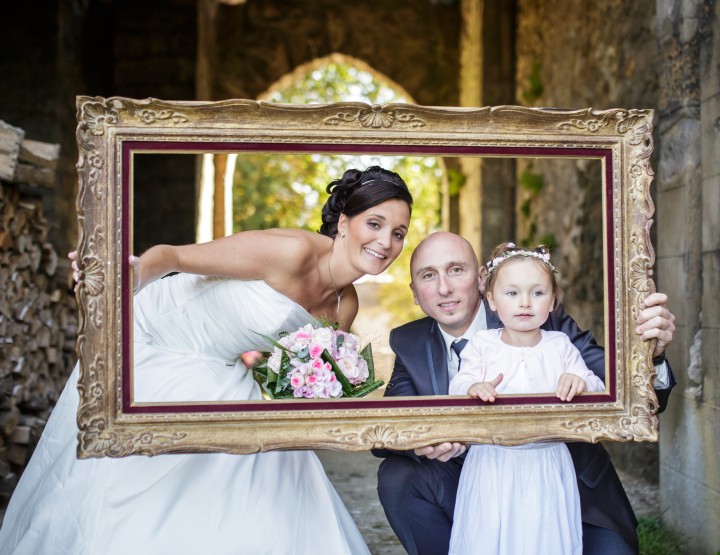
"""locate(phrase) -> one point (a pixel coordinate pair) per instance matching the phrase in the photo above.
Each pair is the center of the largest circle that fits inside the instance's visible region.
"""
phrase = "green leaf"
(366, 388)
(282, 379)
(366, 353)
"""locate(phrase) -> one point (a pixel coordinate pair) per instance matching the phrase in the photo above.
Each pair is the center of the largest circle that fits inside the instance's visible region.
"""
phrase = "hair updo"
(357, 191)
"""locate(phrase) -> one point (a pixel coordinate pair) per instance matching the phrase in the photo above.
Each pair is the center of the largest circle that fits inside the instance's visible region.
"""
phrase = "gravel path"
(355, 478)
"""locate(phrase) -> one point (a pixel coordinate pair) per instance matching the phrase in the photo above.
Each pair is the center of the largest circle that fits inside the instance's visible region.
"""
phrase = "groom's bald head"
(447, 280)
(442, 241)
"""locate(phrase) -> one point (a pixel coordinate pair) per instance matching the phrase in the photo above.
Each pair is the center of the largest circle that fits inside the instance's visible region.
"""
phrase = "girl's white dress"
(188, 334)
(523, 499)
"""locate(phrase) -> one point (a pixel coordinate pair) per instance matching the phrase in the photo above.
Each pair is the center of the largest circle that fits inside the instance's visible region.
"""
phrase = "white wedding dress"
(189, 332)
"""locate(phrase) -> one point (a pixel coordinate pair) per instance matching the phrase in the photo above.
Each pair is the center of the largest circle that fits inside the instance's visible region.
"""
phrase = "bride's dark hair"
(357, 191)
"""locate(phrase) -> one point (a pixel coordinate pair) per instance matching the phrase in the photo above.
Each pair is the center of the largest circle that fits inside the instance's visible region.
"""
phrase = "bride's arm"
(245, 255)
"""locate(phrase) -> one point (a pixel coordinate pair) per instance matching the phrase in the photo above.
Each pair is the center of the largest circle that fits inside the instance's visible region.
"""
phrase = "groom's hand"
(655, 321)
(442, 452)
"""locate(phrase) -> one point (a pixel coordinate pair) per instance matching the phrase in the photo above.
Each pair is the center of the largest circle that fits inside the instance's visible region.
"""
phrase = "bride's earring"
(342, 235)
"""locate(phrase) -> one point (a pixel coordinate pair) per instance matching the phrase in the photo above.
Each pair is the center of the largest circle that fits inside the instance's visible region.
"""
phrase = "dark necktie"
(457, 346)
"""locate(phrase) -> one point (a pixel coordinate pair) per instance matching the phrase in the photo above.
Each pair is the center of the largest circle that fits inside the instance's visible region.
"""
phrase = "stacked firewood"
(38, 313)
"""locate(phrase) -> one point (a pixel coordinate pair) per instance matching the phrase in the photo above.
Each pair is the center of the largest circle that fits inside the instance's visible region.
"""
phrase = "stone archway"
(244, 49)
(334, 58)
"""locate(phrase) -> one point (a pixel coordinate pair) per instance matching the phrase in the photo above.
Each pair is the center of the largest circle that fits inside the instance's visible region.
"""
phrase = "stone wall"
(689, 264)
(663, 55)
(603, 58)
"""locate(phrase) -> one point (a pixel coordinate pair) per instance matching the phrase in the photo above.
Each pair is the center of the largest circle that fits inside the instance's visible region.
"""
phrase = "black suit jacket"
(421, 369)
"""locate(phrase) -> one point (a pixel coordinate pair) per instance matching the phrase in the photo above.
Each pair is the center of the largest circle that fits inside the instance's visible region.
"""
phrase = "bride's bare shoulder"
(289, 239)
(293, 249)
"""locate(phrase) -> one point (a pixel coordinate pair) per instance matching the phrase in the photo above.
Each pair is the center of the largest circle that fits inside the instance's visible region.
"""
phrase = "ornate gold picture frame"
(110, 131)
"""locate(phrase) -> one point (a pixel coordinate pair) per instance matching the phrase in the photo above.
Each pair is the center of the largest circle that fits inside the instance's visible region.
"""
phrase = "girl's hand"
(570, 385)
(485, 390)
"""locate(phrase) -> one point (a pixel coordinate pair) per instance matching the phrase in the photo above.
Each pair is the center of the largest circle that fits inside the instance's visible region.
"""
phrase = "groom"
(417, 488)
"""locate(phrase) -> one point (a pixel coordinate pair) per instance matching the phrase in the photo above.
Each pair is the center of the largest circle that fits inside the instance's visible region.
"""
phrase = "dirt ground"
(355, 478)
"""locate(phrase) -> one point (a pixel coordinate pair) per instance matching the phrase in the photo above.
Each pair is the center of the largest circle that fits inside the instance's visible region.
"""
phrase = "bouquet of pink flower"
(316, 362)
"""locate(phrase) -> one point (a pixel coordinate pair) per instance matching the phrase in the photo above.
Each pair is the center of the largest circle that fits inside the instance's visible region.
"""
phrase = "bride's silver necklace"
(338, 295)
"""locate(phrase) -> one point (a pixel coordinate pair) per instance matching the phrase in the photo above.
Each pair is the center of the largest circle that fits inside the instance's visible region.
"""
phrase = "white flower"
(274, 360)
(354, 367)
(323, 336)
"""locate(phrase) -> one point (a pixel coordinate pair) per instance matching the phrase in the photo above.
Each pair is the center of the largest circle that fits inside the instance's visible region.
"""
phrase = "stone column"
(471, 89)
(487, 78)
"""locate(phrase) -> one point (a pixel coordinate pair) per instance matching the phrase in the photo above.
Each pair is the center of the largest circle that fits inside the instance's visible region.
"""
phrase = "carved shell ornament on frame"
(380, 435)
(376, 117)
(92, 276)
(100, 114)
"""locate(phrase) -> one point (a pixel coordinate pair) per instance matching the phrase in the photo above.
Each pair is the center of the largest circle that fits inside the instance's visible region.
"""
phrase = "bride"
(189, 331)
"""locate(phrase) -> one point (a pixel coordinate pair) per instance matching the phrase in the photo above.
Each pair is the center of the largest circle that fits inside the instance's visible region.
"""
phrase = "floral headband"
(542, 254)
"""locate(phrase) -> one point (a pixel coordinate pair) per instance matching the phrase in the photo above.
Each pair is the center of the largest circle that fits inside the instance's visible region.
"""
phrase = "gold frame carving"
(109, 128)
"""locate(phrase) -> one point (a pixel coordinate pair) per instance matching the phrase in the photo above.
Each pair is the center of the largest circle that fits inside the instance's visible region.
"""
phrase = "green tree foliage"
(337, 82)
(263, 197)
(271, 190)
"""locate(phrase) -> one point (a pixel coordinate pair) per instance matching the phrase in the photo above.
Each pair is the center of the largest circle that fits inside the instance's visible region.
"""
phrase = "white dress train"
(188, 334)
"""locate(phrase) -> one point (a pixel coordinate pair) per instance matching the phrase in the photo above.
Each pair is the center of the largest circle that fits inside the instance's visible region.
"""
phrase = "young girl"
(524, 499)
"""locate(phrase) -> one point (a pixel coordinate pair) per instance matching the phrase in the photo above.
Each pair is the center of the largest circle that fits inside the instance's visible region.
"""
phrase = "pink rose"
(311, 379)
(296, 381)
(316, 350)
